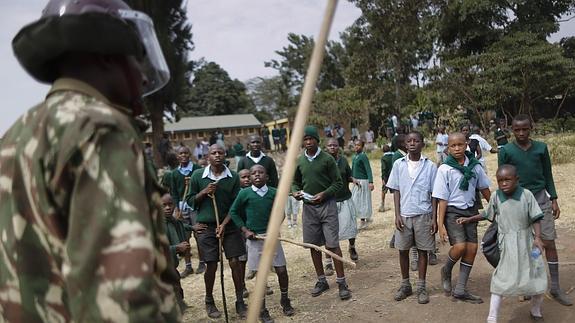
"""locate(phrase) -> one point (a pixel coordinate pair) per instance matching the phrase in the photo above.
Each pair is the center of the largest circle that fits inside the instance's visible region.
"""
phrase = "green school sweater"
(176, 231)
(226, 192)
(178, 184)
(254, 208)
(397, 155)
(268, 163)
(317, 176)
(386, 165)
(360, 167)
(239, 150)
(345, 172)
(533, 166)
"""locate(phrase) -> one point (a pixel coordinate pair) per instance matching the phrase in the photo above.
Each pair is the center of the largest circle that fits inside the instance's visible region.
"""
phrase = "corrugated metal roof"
(214, 122)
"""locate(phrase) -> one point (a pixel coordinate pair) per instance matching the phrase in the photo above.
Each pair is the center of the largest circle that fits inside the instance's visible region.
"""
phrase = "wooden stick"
(221, 251)
(277, 215)
(316, 247)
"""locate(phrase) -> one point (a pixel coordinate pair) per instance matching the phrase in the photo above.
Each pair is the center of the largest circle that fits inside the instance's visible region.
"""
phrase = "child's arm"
(471, 219)
(537, 242)
(550, 183)
(441, 209)
(486, 193)
(397, 203)
(433, 215)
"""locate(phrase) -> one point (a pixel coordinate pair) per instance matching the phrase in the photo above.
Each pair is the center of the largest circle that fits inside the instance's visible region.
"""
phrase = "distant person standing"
(369, 139)
(395, 122)
(239, 151)
(441, 145)
(502, 134)
(266, 138)
(340, 135)
(276, 138)
(361, 193)
(283, 137)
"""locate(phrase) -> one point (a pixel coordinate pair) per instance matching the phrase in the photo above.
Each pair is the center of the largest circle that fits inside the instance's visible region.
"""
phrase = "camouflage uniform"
(82, 235)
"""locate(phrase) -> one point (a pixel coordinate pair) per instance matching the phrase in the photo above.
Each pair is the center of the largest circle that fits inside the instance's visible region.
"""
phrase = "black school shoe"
(319, 288)
(403, 292)
(241, 309)
(446, 281)
(286, 307)
(212, 310)
(353, 254)
(344, 292)
(468, 298)
(265, 316)
(561, 298)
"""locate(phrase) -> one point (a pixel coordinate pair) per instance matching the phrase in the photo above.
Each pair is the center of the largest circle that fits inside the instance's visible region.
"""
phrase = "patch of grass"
(561, 147)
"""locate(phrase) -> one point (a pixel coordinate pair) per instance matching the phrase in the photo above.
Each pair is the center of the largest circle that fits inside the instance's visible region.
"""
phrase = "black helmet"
(107, 27)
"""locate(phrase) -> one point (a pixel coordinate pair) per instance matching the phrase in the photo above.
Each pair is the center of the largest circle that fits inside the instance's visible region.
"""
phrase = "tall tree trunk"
(157, 118)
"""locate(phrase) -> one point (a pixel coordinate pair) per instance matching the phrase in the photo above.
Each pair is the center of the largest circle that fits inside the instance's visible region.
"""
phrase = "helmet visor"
(154, 66)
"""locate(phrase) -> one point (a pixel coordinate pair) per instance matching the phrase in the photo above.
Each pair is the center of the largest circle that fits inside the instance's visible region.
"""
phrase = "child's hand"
(182, 247)
(537, 242)
(399, 225)
(249, 234)
(555, 209)
(199, 227)
(297, 195)
(318, 198)
(220, 231)
(462, 221)
(371, 187)
(443, 237)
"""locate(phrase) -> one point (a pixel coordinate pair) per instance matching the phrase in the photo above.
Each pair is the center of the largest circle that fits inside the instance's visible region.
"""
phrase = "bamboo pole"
(316, 247)
(277, 215)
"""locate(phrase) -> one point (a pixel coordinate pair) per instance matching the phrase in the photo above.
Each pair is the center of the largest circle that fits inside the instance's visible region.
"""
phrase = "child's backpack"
(489, 243)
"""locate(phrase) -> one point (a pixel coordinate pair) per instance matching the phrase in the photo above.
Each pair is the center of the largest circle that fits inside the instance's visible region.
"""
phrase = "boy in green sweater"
(251, 212)
(216, 181)
(533, 163)
(177, 234)
(179, 183)
(256, 156)
(361, 192)
(316, 181)
(386, 166)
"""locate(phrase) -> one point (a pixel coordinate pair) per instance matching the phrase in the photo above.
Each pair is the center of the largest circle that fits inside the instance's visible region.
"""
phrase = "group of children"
(427, 199)
(444, 199)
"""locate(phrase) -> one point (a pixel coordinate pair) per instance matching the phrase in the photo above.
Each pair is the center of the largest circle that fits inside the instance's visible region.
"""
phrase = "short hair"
(172, 159)
(330, 139)
(522, 117)
(183, 147)
(243, 170)
(417, 133)
(385, 148)
(506, 167)
(455, 134)
(361, 142)
(258, 166)
(397, 139)
(464, 126)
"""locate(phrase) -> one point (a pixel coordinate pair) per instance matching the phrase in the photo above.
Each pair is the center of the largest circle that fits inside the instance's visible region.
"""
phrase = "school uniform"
(440, 148)
(386, 166)
(517, 273)
(534, 170)
(252, 209)
(361, 194)
(460, 202)
(314, 174)
(228, 186)
(414, 181)
(177, 182)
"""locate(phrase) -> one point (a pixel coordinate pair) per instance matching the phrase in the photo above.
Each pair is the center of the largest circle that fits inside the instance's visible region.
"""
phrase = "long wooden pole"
(316, 247)
(277, 216)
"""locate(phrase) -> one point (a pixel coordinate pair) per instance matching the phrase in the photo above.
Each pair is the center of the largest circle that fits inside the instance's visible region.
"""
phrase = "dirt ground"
(376, 278)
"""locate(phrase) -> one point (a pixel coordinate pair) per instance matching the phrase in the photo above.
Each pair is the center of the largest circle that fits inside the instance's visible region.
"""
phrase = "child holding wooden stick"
(255, 205)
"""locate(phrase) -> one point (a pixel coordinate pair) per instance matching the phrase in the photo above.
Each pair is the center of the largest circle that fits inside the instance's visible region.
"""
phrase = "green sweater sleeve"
(367, 166)
(273, 174)
(336, 182)
(237, 206)
(548, 174)
(297, 184)
(502, 157)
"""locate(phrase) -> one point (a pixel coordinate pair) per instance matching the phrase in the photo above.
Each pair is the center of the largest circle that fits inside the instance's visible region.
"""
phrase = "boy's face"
(507, 181)
(258, 176)
(216, 155)
(167, 205)
(521, 130)
(332, 147)
(310, 143)
(465, 131)
(358, 146)
(245, 178)
(457, 145)
(184, 156)
(256, 144)
(413, 143)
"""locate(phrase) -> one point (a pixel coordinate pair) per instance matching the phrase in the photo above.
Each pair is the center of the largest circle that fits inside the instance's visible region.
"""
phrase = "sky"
(240, 35)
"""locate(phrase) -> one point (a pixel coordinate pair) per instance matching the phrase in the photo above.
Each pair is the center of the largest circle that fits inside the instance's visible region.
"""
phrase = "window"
(200, 134)
(239, 132)
(187, 135)
(226, 132)
(251, 131)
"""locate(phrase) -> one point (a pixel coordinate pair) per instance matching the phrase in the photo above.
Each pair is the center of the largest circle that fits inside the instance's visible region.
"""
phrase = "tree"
(213, 92)
(175, 36)
(271, 98)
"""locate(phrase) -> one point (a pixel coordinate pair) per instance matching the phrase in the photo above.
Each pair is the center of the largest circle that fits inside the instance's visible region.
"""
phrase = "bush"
(561, 148)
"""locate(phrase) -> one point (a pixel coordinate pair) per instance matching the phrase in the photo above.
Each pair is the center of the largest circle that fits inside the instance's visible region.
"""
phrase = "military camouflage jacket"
(82, 237)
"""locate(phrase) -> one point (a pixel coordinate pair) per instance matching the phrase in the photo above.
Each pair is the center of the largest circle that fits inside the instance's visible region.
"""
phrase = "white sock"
(328, 261)
(536, 302)
(494, 307)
